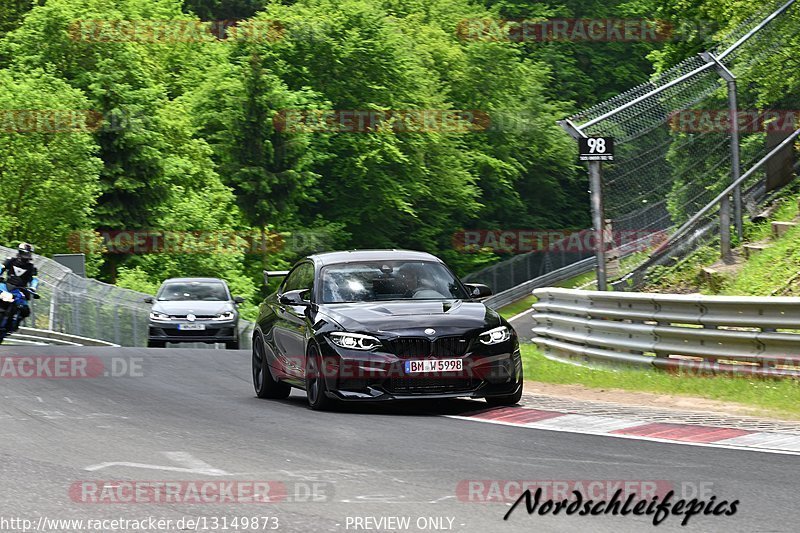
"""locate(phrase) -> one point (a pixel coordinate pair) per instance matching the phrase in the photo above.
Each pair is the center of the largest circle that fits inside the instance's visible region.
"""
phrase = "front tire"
(264, 384)
(507, 401)
(156, 344)
(232, 345)
(315, 382)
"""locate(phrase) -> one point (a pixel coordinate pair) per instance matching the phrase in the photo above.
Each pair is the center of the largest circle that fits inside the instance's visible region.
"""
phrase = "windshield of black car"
(211, 291)
(389, 280)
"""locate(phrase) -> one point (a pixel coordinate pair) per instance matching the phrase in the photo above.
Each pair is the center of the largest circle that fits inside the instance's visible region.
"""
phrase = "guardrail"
(694, 333)
(45, 336)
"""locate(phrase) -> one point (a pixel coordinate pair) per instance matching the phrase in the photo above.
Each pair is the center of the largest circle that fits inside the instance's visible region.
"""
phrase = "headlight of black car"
(354, 341)
(495, 336)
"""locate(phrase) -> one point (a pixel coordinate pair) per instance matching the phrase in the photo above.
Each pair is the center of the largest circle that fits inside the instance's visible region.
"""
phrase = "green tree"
(48, 165)
(223, 9)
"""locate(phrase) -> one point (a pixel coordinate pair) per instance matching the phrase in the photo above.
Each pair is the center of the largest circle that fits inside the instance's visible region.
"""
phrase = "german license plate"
(191, 327)
(434, 365)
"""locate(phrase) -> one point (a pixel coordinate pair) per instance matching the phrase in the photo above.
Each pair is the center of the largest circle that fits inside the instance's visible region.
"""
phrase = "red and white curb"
(691, 434)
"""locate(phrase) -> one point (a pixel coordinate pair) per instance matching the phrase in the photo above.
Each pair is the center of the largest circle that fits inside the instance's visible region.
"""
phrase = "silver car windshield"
(194, 290)
(388, 280)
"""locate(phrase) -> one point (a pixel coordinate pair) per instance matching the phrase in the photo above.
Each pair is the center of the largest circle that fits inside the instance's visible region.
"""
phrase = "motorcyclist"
(21, 281)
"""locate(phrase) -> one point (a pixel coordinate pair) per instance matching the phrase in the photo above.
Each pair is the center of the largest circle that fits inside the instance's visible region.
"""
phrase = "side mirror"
(148, 300)
(238, 300)
(297, 297)
(478, 290)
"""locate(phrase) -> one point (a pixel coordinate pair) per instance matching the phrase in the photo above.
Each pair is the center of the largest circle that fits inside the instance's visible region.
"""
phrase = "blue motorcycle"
(12, 300)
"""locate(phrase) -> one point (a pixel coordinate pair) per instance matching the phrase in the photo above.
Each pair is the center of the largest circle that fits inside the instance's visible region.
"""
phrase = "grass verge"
(517, 307)
(774, 398)
(774, 269)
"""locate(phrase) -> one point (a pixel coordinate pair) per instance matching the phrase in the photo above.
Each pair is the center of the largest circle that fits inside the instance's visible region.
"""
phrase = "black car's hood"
(197, 307)
(445, 316)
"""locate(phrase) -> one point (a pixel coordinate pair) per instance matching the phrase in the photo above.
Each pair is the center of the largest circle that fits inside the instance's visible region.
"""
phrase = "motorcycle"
(12, 298)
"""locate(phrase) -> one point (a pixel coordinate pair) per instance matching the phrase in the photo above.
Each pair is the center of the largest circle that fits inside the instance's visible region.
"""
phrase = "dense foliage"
(190, 138)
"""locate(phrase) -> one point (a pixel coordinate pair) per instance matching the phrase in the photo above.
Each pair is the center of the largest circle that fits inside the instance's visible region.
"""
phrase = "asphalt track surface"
(523, 324)
(189, 414)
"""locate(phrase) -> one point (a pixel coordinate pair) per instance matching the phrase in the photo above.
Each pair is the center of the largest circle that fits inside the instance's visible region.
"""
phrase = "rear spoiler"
(274, 274)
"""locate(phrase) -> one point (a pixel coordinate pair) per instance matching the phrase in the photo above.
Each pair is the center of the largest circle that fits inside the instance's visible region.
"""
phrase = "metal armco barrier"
(44, 336)
(735, 335)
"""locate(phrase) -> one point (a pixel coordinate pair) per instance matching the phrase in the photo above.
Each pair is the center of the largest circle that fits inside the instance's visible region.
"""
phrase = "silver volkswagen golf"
(194, 310)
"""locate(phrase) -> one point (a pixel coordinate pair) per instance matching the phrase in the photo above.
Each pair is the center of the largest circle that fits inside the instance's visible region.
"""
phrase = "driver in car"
(416, 284)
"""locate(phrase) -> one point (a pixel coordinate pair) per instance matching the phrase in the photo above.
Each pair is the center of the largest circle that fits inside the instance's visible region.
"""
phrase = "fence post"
(736, 168)
(733, 118)
(52, 313)
(596, 191)
(598, 221)
(612, 256)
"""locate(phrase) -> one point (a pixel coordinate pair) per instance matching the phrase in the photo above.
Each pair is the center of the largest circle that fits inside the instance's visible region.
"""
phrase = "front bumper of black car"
(487, 371)
(215, 331)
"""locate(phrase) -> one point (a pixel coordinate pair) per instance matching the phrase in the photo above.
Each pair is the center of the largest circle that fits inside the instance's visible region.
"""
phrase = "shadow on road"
(396, 408)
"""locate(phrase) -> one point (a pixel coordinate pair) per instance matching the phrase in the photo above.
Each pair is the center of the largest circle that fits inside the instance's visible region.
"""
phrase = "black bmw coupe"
(377, 325)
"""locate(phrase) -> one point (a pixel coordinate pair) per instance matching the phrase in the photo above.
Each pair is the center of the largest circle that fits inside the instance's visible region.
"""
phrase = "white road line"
(191, 464)
(101, 466)
(520, 315)
(189, 461)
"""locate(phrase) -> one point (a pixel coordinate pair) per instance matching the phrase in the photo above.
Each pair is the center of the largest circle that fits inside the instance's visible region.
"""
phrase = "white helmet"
(25, 250)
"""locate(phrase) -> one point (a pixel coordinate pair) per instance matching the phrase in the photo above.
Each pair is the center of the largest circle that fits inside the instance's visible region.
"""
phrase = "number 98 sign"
(596, 149)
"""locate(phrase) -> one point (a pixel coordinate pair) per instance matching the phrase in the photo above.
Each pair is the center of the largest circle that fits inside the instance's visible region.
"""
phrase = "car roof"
(189, 280)
(330, 258)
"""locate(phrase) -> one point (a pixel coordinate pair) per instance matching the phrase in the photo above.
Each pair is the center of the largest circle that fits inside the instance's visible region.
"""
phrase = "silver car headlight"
(354, 341)
(227, 315)
(155, 315)
(495, 336)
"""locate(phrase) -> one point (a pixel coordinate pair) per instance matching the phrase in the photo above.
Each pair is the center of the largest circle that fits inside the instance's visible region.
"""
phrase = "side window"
(301, 277)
